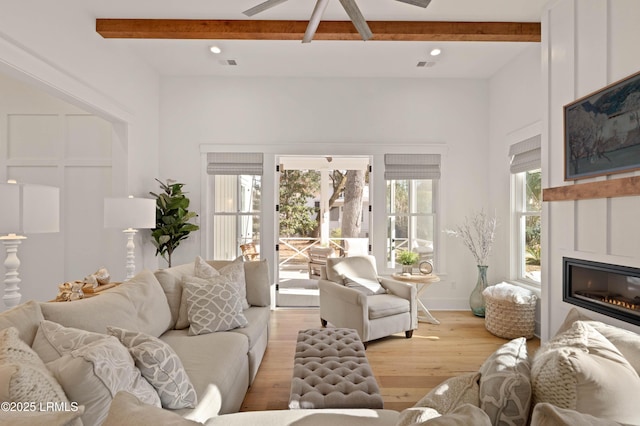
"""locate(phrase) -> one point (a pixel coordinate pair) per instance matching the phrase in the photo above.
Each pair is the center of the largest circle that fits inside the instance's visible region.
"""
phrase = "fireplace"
(611, 290)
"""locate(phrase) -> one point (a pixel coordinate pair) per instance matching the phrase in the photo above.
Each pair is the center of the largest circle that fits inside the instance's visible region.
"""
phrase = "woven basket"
(510, 320)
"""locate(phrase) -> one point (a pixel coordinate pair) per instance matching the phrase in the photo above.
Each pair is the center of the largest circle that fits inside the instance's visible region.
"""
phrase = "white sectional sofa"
(220, 365)
(586, 375)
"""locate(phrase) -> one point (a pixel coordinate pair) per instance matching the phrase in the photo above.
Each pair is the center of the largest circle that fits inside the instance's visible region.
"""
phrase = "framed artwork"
(602, 131)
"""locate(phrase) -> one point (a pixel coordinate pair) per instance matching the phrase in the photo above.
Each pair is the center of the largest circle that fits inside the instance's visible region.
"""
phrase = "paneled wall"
(587, 45)
(47, 141)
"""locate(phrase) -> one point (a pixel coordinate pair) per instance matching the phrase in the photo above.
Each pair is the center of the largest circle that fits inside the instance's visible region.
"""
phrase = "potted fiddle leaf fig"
(172, 219)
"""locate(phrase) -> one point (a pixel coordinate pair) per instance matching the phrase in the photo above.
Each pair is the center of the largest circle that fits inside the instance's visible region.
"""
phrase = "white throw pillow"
(91, 368)
(160, 365)
(213, 305)
(581, 370)
(364, 285)
(23, 375)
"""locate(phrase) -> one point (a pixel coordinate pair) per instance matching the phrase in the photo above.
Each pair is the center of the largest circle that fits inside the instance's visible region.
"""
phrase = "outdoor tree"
(352, 210)
(297, 187)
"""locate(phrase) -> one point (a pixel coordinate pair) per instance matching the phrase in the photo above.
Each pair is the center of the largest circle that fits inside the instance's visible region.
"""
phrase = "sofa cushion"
(213, 305)
(23, 375)
(257, 318)
(138, 304)
(217, 365)
(70, 417)
(444, 398)
(160, 366)
(256, 275)
(308, 417)
(25, 318)
(356, 266)
(581, 370)
(505, 384)
(464, 415)
(92, 375)
(384, 305)
(171, 281)
(126, 409)
(627, 342)
(545, 414)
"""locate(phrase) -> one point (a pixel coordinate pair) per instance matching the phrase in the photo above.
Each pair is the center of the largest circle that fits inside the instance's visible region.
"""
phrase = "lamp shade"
(135, 213)
(29, 209)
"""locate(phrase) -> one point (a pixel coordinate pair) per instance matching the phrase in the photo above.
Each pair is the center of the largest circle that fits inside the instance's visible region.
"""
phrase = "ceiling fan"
(350, 7)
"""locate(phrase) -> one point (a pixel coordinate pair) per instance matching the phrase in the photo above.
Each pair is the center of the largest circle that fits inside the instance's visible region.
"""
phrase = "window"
(412, 183)
(235, 182)
(527, 206)
(236, 214)
(411, 218)
(528, 201)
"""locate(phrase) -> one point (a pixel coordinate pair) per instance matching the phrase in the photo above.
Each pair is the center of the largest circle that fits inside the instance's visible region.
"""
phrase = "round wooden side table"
(421, 282)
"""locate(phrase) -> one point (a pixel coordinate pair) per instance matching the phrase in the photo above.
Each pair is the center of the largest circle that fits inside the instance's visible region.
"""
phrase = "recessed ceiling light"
(435, 52)
(215, 49)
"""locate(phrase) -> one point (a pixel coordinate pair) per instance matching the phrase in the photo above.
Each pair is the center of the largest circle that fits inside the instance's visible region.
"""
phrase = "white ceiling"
(323, 58)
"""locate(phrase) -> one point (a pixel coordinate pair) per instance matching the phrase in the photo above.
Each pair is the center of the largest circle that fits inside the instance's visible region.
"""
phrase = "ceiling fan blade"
(262, 7)
(316, 16)
(357, 18)
(421, 3)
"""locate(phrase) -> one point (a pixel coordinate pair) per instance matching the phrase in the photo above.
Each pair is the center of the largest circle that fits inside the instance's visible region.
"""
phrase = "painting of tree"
(602, 131)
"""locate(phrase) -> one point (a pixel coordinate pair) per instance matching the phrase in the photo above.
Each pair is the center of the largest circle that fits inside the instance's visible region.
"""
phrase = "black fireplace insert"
(612, 290)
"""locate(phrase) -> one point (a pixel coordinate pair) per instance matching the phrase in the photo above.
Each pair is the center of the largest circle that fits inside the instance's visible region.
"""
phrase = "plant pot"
(407, 269)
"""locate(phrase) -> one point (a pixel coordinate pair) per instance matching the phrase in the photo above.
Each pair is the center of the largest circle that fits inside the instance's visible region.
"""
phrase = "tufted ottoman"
(331, 371)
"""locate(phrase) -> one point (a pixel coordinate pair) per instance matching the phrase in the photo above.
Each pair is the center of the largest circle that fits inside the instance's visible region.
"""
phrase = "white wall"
(586, 46)
(53, 46)
(310, 114)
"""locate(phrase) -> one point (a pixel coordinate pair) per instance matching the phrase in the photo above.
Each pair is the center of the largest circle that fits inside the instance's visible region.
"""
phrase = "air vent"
(425, 64)
(231, 62)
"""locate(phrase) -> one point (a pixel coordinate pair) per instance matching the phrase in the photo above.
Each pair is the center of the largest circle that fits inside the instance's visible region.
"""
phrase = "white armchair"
(354, 296)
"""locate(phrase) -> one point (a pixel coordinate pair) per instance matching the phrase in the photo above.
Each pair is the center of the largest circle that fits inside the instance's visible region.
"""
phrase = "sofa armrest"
(341, 294)
(406, 291)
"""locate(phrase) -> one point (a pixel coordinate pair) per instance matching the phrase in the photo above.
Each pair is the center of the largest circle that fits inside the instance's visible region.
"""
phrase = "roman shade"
(234, 163)
(411, 166)
(525, 155)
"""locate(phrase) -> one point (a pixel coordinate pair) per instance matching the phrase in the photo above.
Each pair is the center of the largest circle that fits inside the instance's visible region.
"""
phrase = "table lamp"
(131, 214)
(26, 209)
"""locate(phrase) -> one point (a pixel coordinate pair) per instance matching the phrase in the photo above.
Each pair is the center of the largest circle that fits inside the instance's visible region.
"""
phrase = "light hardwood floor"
(406, 369)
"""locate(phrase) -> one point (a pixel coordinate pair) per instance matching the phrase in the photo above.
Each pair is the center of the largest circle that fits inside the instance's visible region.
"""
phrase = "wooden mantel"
(327, 30)
(622, 187)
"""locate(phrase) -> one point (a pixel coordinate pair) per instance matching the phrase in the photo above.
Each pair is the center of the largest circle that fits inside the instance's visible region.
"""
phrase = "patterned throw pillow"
(505, 384)
(581, 370)
(213, 305)
(160, 365)
(444, 398)
(25, 375)
(203, 270)
(233, 271)
(91, 368)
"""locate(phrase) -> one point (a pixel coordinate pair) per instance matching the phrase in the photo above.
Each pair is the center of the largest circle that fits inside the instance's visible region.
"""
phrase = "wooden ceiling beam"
(328, 30)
